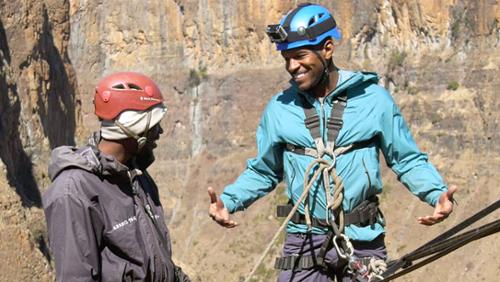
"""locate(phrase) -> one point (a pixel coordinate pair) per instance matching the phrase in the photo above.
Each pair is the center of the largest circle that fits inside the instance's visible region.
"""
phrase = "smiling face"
(306, 65)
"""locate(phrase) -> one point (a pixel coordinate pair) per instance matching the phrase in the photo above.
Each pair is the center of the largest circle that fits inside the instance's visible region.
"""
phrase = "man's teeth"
(300, 75)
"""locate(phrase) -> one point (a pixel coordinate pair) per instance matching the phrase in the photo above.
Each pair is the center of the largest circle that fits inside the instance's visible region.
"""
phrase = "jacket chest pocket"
(372, 172)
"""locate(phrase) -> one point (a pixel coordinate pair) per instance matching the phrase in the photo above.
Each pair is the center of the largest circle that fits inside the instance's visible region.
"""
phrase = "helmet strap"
(325, 76)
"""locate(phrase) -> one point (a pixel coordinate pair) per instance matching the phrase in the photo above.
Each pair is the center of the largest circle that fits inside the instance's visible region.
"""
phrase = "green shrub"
(453, 85)
(197, 76)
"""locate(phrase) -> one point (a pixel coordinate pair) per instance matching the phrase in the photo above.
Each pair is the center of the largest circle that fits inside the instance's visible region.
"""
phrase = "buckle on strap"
(335, 122)
(292, 148)
(312, 152)
(312, 121)
(365, 213)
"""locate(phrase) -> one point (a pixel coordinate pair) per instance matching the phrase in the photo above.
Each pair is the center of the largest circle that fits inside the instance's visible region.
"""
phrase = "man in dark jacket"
(104, 216)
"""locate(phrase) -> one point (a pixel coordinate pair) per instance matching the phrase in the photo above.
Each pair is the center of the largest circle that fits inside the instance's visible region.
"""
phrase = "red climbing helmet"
(123, 91)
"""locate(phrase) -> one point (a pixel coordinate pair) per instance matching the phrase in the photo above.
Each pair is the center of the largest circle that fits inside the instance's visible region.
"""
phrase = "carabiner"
(345, 254)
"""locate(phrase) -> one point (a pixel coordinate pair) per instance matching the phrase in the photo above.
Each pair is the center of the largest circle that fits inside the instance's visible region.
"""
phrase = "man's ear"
(328, 48)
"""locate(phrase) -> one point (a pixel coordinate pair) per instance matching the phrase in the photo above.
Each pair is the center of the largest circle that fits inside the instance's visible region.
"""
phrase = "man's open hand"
(218, 212)
(443, 209)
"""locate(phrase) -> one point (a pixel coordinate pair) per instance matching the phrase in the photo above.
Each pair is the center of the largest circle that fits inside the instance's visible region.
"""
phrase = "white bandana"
(135, 121)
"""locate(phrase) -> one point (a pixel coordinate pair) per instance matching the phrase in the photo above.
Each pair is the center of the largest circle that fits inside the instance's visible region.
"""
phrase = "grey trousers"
(302, 244)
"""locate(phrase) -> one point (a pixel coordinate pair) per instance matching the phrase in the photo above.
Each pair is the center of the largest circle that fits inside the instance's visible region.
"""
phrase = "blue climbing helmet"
(307, 25)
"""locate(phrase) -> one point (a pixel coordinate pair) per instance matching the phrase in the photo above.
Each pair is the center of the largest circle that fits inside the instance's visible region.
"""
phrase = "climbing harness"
(443, 244)
(366, 213)
(335, 220)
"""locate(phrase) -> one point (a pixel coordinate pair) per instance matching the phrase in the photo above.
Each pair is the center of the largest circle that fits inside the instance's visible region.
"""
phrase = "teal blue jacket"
(370, 113)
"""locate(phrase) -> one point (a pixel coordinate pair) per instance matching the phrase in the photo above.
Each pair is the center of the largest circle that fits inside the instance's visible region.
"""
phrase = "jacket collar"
(88, 158)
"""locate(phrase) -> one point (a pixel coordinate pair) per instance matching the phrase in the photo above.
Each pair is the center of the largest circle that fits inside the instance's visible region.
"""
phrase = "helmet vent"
(315, 19)
(134, 86)
(311, 21)
(118, 86)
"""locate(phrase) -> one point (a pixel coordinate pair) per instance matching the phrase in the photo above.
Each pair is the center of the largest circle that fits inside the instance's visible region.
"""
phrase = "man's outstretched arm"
(413, 168)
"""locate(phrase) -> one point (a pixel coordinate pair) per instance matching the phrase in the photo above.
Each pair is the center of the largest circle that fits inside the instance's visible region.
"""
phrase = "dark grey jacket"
(100, 220)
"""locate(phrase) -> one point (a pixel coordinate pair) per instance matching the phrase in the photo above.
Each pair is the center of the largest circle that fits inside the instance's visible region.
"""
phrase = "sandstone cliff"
(217, 70)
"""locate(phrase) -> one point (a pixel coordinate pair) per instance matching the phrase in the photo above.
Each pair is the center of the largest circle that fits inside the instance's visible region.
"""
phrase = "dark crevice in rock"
(18, 164)
(59, 111)
(44, 248)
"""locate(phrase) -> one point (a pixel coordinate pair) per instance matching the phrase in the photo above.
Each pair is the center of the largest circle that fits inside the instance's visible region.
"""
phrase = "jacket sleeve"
(263, 172)
(72, 237)
(406, 160)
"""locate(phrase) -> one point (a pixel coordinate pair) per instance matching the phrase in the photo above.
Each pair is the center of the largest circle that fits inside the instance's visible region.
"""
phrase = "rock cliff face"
(217, 70)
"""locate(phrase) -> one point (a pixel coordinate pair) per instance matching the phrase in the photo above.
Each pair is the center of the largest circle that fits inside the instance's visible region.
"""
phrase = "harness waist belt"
(366, 213)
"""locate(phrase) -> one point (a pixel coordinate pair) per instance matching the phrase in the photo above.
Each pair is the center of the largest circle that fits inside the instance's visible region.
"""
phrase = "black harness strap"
(324, 248)
(335, 122)
(366, 213)
(297, 263)
(312, 121)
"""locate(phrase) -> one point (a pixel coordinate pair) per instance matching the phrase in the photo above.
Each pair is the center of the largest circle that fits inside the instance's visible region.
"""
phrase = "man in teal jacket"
(336, 122)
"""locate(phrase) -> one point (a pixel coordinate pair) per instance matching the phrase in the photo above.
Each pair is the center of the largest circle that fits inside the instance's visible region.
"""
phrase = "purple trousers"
(302, 244)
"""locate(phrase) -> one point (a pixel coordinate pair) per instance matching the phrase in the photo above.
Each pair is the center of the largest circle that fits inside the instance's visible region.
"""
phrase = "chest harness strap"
(333, 124)
(326, 168)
